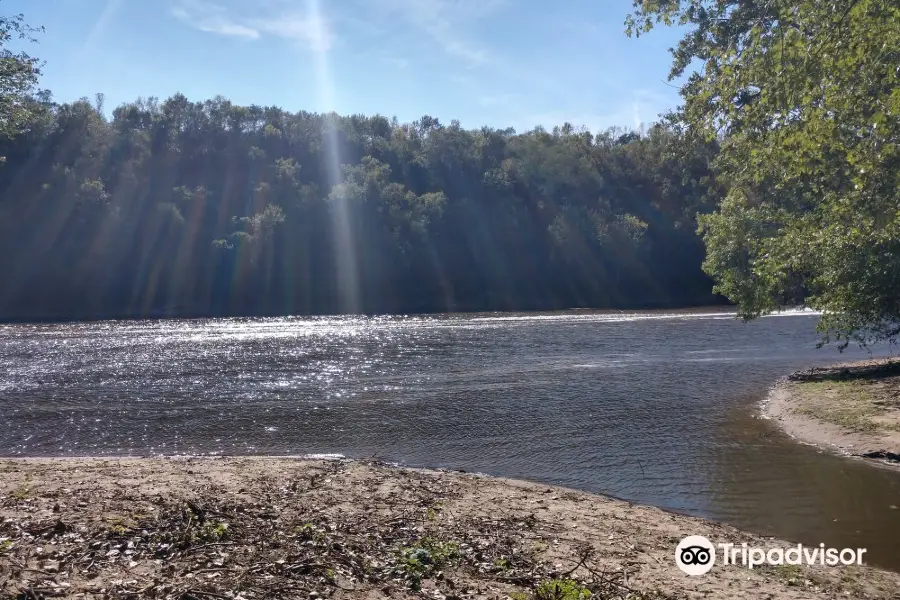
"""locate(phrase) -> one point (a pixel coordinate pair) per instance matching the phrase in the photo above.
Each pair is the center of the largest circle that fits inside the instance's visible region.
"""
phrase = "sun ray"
(344, 244)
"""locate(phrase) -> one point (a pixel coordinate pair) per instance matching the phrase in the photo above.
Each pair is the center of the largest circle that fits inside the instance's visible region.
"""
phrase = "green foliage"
(309, 532)
(256, 235)
(213, 531)
(804, 96)
(19, 74)
(170, 212)
(263, 224)
(561, 589)
(208, 208)
(424, 558)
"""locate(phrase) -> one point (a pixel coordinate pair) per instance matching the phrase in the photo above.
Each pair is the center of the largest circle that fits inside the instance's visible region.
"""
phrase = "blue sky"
(517, 63)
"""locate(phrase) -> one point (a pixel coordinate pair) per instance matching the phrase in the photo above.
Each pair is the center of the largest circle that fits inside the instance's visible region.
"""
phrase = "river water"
(659, 408)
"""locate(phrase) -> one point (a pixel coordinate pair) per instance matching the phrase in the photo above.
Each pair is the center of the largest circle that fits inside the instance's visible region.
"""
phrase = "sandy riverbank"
(851, 408)
(292, 528)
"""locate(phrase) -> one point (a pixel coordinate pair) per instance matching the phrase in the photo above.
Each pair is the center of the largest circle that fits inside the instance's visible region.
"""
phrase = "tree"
(176, 207)
(805, 98)
(19, 74)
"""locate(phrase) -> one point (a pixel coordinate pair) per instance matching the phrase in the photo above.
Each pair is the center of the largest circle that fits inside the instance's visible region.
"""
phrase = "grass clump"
(561, 589)
(213, 531)
(22, 493)
(426, 557)
(790, 574)
(844, 403)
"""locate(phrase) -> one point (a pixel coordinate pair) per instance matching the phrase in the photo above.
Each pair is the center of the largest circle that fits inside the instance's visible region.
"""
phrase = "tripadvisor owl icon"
(695, 555)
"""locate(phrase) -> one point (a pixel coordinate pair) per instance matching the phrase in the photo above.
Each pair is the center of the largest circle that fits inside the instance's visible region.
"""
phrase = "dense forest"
(176, 207)
(784, 157)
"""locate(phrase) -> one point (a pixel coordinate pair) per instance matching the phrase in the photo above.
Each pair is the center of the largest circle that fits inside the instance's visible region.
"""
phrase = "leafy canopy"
(19, 75)
(173, 207)
(805, 98)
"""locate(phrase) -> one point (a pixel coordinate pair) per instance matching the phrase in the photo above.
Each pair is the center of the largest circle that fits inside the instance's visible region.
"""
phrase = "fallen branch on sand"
(254, 528)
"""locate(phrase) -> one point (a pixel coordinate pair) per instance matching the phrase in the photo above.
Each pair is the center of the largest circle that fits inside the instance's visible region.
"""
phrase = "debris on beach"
(253, 528)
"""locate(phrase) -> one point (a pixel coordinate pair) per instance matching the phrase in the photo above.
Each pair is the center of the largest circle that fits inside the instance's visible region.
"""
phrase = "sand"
(257, 527)
(852, 409)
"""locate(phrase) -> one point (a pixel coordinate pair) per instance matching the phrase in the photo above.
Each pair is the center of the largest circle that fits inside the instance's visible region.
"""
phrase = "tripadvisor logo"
(696, 555)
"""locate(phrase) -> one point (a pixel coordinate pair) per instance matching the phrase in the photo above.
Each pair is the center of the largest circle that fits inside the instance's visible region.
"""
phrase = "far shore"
(851, 409)
(277, 527)
(712, 303)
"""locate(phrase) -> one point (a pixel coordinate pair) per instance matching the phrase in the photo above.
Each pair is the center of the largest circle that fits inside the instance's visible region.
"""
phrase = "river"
(658, 408)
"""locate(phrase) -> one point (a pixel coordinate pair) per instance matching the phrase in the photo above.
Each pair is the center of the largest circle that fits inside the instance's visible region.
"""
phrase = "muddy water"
(658, 408)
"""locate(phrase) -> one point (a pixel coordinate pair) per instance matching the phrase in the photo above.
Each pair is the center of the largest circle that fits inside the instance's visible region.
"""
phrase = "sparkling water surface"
(655, 407)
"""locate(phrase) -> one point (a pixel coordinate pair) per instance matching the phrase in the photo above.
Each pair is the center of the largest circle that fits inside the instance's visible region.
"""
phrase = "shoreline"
(778, 406)
(187, 315)
(840, 409)
(289, 527)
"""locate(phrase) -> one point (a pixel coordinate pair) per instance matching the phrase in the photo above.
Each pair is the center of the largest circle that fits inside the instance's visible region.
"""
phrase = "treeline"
(207, 208)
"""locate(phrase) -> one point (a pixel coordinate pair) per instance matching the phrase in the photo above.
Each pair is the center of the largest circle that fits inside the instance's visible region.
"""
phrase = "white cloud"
(222, 26)
(275, 20)
(311, 30)
(443, 20)
(211, 18)
(109, 11)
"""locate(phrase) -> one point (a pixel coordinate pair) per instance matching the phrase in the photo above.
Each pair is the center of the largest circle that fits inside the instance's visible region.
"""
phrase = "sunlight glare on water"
(656, 407)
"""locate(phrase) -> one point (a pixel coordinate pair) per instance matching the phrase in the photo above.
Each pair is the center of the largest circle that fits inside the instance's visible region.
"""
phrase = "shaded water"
(658, 408)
